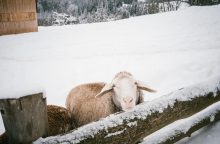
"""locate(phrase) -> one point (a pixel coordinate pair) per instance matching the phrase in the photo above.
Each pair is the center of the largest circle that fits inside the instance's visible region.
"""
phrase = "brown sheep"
(4, 139)
(90, 102)
(59, 122)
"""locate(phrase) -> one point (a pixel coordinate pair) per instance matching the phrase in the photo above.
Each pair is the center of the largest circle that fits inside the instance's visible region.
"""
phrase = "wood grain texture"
(25, 118)
(18, 16)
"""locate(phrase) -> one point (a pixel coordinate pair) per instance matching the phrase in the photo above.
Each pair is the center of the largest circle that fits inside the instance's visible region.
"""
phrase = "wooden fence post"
(25, 118)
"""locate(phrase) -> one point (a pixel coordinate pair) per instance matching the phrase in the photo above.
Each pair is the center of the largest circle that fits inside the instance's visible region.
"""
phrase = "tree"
(204, 2)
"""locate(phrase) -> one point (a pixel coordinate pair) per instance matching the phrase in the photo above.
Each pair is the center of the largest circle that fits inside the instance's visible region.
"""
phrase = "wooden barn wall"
(17, 16)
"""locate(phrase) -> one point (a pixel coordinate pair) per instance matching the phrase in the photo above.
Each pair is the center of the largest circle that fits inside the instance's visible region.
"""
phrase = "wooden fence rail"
(131, 127)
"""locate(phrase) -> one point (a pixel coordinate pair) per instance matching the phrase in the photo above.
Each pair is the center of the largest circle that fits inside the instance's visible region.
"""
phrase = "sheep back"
(85, 108)
(4, 139)
(59, 120)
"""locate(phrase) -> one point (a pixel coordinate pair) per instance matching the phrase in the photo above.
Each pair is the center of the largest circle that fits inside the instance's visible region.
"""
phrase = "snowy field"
(167, 51)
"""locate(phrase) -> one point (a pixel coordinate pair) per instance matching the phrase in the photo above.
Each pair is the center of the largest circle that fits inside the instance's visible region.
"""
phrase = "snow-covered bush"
(63, 19)
(204, 2)
(45, 19)
(56, 12)
(101, 15)
(122, 13)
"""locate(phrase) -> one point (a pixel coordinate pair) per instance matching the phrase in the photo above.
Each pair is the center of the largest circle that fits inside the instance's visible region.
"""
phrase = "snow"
(20, 93)
(144, 110)
(212, 118)
(131, 124)
(168, 51)
(182, 126)
(208, 134)
(116, 133)
(183, 5)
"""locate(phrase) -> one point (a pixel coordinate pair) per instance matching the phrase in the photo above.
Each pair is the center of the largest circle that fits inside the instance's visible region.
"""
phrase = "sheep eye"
(113, 86)
(135, 83)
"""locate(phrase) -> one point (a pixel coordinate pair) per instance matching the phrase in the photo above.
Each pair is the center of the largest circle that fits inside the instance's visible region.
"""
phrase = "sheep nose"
(127, 100)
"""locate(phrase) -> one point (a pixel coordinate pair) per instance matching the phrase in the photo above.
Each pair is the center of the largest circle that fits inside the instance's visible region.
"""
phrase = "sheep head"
(126, 90)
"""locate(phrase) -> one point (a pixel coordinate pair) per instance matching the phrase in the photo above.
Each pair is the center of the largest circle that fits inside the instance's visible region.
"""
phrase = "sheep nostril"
(126, 100)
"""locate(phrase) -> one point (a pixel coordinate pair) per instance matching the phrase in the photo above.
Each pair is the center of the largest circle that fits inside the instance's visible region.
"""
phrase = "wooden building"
(18, 16)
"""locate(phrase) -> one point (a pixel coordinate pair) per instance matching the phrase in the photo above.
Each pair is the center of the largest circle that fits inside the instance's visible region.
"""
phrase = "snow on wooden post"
(146, 118)
(25, 118)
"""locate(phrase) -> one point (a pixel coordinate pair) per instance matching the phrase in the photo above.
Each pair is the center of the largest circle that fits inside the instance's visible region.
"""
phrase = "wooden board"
(18, 16)
(25, 118)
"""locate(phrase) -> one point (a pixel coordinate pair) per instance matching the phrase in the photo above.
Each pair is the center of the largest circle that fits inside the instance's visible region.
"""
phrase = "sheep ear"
(107, 88)
(143, 86)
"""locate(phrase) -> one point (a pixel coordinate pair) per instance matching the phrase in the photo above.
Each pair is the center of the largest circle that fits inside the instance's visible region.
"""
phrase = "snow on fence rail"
(184, 127)
(146, 118)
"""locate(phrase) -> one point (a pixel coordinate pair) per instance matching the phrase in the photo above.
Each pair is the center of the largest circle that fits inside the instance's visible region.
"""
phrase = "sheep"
(4, 139)
(59, 122)
(92, 101)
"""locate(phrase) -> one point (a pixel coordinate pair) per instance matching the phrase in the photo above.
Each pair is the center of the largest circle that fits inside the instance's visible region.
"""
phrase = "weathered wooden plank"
(5, 6)
(23, 6)
(185, 127)
(1, 28)
(10, 6)
(17, 16)
(1, 6)
(18, 5)
(33, 6)
(25, 119)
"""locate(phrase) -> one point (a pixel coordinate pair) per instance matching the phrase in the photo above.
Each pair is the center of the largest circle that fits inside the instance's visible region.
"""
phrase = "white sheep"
(90, 102)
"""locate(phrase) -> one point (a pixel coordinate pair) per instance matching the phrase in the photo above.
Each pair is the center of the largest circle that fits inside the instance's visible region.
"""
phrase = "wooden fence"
(25, 119)
(198, 105)
(17, 16)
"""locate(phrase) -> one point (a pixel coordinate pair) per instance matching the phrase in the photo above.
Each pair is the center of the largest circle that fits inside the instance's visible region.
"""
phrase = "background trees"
(89, 11)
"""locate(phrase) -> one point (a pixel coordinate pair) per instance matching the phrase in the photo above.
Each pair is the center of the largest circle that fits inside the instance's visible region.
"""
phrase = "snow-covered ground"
(167, 50)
